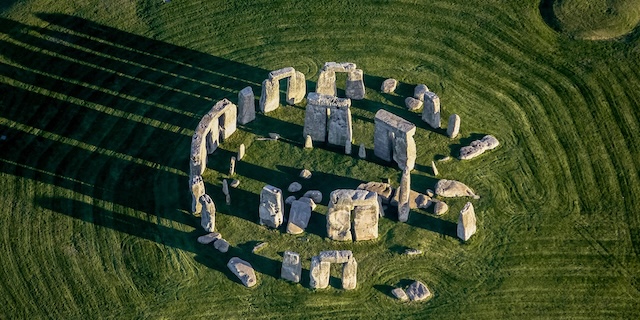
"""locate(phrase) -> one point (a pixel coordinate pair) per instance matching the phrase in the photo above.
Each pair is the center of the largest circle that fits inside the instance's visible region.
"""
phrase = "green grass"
(98, 101)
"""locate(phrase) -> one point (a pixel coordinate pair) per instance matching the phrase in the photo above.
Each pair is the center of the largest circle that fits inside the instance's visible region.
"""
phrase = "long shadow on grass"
(432, 223)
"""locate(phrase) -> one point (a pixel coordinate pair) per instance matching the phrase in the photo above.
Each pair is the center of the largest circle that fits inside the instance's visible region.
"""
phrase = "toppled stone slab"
(305, 174)
(294, 187)
(315, 195)
(362, 152)
(431, 111)
(389, 85)
(299, 215)
(243, 270)
(197, 191)
(452, 188)
(221, 245)
(416, 200)
(419, 91)
(417, 291)
(259, 247)
(434, 169)
(453, 127)
(384, 190)
(335, 256)
(440, 208)
(271, 210)
(246, 106)
(413, 252)
(399, 294)
(291, 267)
(412, 103)
(404, 208)
(466, 222)
(208, 238)
(478, 147)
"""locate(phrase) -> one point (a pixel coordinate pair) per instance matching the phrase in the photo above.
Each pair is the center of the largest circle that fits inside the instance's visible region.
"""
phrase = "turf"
(98, 100)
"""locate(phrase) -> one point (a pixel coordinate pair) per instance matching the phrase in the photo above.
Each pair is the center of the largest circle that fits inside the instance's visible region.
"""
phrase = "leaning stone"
(453, 127)
(208, 238)
(440, 208)
(305, 174)
(308, 143)
(362, 152)
(208, 216)
(319, 273)
(271, 210)
(315, 195)
(419, 91)
(335, 256)
(365, 221)
(433, 168)
(466, 222)
(299, 215)
(291, 267)
(412, 103)
(246, 106)
(350, 274)
(296, 88)
(241, 151)
(478, 147)
(389, 85)
(384, 190)
(243, 270)
(399, 294)
(431, 111)
(294, 187)
(259, 247)
(403, 196)
(234, 183)
(452, 188)
(221, 245)
(417, 291)
(290, 199)
(412, 252)
(232, 166)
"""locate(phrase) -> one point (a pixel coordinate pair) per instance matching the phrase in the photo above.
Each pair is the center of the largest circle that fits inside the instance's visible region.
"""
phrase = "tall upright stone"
(296, 88)
(419, 91)
(431, 110)
(232, 166)
(319, 273)
(362, 152)
(246, 106)
(299, 215)
(270, 95)
(404, 192)
(453, 127)
(340, 124)
(349, 274)
(208, 215)
(466, 222)
(197, 190)
(271, 208)
(355, 85)
(308, 143)
(241, 152)
(243, 270)
(327, 83)
(291, 266)
(389, 85)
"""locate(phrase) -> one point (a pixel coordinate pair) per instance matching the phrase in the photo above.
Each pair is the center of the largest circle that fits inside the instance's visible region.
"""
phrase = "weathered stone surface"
(365, 222)
(440, 208)
(393, 139)
(366, 207)
(232, 166)
(234, 183)
(280, 74)
(433, 168)
(296, 88)
(299, 215)
(246, 106)
(349, 274)
(305, 174)
(208, 133)
(466, 222)
(389, 85)
(399, 294)
(404, 151)
(289, 200)
(221, 245)
(225, 187)
(362, 152)
(294, 187)
(413, 252)
(270, 96)
(197, 190)
(208, 215)
(416, 200)
(412, 103)
(291, 266)
(315, 195)
(403, 196)
(478, 147)
(419, 91)
(423, 201)
(384, 190)
(340, 124)
(355, 85)
(308, 143)
(431, 111)
(326, 84)
(453, 127)
(319, 273)
(347, 147)
(208, 238)
(274, 136)
(243, 270)
(335, 256)
(270, 210)
(417, 291)
(452, 188)
(241, 152)
(315, 119)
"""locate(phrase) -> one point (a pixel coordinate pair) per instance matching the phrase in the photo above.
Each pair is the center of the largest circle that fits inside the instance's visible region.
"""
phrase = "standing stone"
(296, 88)
(243, 270)
(451, 188)
(246, 106)
(241, 151)
(355, 85)
(365, 222)
(315, 118)
(347, 147)
(340, 124)
(466, 222)
(197, 190)
(433, 168)
(419, 91)
(319, 273)
(294, 187)
(431, 111)
(326, 83)
(440, 208)
(417, 291)
(404, 151)
(453, 127)
(270, 210)
(362, 152)
(208, 216)
(339, 222)
(232, 166)
(349, 274)
(399, 294)
(366, 207)
(412, 103)
(225, 187)
(404, 192)
(221, 245)
(308, 143)
(299, 215)
(270, 95)
(291, 267)
(335, 256)
(389, 85)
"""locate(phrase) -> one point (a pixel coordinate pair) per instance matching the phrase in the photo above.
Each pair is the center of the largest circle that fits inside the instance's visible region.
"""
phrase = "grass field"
(99, 99)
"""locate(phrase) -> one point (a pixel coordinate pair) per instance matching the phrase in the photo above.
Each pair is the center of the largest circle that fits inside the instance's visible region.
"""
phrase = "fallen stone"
(362, 152)
(208, 238)
(366, 212)
(315, 195)
(453, 127)
(274, 136)
(419, 91)
(431, 111)
(399, 294)
(259, 247)
(319, 273)
(290, 199)
(466, 222)
(246, 106)
(412, 252)
(270, 210)
(451, 188)
(478, 147)
(241, 152)
(433, 168)
(445, 159)
(404, 208)
(299, 215)
(291, 266)
(243, 270)
(305, 174)
(294, 187)
(384, 190)
(440, 208)
(308, 143)
(417, 291)
(221, 245)
(234, 183)
(412, 103)
(389, 85)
